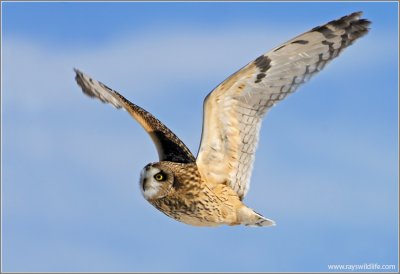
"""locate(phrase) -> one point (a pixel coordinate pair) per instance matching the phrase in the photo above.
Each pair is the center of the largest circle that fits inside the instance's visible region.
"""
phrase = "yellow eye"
(159, 177)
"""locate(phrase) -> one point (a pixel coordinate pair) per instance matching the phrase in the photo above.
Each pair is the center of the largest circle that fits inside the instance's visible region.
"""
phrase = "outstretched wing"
(233, 111)
(169, 146)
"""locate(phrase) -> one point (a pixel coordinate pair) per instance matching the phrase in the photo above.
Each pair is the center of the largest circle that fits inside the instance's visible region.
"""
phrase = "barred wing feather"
(233, 111)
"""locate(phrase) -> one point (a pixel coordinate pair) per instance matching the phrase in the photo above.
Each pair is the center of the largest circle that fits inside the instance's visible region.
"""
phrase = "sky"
(326, 168)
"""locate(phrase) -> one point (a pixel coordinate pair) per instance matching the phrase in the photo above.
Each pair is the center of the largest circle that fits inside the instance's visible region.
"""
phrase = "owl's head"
(156, 181)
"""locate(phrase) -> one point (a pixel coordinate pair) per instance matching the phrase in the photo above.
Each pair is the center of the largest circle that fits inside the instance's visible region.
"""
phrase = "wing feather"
(169, 146)
(233, 111)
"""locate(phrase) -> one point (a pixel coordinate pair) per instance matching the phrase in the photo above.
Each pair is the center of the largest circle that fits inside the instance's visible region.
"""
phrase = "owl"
(208, 190)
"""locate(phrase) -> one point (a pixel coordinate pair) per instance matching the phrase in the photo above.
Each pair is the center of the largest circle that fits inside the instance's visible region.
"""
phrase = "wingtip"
(78, 76)
(356, 16)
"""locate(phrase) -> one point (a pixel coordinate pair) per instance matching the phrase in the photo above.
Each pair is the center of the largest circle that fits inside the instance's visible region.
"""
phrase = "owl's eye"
(159, 177)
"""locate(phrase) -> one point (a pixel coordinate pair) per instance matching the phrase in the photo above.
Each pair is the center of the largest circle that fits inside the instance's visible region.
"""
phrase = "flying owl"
(209, 190)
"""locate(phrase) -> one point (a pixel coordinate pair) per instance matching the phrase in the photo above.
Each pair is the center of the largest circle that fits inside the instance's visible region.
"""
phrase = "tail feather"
(260, 220)
(249, 217)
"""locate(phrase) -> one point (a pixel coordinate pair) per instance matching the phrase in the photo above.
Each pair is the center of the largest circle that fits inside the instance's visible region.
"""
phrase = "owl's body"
(209, 190)
(192, 200)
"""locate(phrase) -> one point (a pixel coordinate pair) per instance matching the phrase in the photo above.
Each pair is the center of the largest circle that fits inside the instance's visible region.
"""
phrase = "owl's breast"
(203, 207)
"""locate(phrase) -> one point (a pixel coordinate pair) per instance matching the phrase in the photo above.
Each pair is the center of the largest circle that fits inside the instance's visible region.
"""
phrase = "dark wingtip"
(356, 18)
(78, 76)
(77, 71)
(358, 13)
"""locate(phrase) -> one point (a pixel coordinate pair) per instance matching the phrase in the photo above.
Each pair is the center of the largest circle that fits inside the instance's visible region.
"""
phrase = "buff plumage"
(209, 190)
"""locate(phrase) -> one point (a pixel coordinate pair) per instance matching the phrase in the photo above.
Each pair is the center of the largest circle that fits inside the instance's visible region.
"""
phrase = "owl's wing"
(169, 146)
(233, 111)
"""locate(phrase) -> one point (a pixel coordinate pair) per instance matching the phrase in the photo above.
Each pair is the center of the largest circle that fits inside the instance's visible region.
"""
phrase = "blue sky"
(326, 168)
